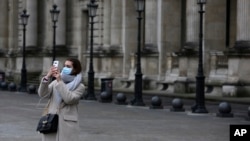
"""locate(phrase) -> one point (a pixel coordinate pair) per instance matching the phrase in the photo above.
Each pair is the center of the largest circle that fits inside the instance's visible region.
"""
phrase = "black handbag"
(48, 124)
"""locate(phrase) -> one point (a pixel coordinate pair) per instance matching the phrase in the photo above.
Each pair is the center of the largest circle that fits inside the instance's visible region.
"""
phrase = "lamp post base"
(23, 89)
(136, 102)
(90, 96)
(201, 110)
(198, 109)
(23, 83)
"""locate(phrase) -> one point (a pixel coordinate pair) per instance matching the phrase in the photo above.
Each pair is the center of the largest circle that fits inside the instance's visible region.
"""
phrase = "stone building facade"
(169, 45)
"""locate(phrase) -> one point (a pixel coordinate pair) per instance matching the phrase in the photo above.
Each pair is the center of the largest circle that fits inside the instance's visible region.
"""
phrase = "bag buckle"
(45, 122)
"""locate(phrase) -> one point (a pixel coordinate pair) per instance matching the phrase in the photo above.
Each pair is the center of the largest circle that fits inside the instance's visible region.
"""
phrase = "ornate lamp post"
(199, 107)
(138, 101)
(92, 8)
(23, 86)
(54, 16)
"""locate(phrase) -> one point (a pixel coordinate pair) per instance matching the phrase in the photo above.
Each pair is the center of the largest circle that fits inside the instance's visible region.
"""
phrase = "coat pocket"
(70, 118)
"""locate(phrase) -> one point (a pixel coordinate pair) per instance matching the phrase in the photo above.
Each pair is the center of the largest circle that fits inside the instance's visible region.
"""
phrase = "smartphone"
(56, 64)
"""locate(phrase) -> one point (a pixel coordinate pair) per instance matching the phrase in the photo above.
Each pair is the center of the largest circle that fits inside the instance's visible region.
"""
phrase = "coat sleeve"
(70, 97)
(45, 88)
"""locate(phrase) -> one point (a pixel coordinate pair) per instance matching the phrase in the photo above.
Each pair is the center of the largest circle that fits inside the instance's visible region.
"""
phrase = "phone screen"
(56, 63)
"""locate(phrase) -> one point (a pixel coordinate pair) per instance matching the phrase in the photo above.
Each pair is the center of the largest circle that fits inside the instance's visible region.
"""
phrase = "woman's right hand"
(50, 72)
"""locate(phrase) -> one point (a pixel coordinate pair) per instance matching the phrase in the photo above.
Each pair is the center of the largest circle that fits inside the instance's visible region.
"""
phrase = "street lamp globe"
(139, 5)
(54, 13)
(92, 8)
(24, 17)
(201, 1)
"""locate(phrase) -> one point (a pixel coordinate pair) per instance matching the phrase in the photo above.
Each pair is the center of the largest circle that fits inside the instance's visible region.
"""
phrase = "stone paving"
(111, 122)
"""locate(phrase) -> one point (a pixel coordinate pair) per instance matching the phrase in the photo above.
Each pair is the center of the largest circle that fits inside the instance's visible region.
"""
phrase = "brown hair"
(77, 68)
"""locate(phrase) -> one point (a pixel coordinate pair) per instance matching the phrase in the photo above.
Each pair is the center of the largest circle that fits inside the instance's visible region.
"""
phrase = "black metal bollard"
(224, 110)
(12, 87)
(105, 97)
(32, 89)
(156, 103)
(121, 99)
(4, 86)
(177, 105)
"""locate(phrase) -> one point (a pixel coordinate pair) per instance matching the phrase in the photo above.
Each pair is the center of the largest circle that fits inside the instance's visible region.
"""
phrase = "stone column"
(98, 26)
(215, 44)
(243, 21)
(129, 34)
(31, 28)
(3, 26)
(215, 25)
(13, 23)
(106, 22)
(46, 35)
(162, 58)
(116, 23)
(151, 20)
(125, 67)
(74, 36)
(61, 24)
(170, 32)
(13, 18)
(192, 24)
(3, 33)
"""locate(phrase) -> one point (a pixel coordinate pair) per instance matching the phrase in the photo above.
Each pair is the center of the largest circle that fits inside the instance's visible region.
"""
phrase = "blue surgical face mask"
(66, 70)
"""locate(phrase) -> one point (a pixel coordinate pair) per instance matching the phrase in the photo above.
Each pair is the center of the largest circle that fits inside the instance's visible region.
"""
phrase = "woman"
(64, 94)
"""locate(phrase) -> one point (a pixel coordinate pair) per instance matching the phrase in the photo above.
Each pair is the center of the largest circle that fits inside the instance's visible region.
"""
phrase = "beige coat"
(68, 127)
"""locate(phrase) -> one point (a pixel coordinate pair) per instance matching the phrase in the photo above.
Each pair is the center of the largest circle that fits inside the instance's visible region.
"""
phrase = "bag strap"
(46, 108)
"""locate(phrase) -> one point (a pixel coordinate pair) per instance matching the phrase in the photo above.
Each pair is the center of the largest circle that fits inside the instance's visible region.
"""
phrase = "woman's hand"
(56, 73)
(50, 72)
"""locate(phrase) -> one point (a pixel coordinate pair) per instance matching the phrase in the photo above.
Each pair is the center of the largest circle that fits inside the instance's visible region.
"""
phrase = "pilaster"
(150, 20)
(107, 23)
(3, 27)
(75, 28)
(243, 28)
(192, 25)
(161, 48)
(116, 23)
(61, 24)
(31, 30)
(129, 33)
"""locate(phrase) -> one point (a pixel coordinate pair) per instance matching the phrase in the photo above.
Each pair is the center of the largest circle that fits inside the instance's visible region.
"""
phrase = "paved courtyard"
(111, 122)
